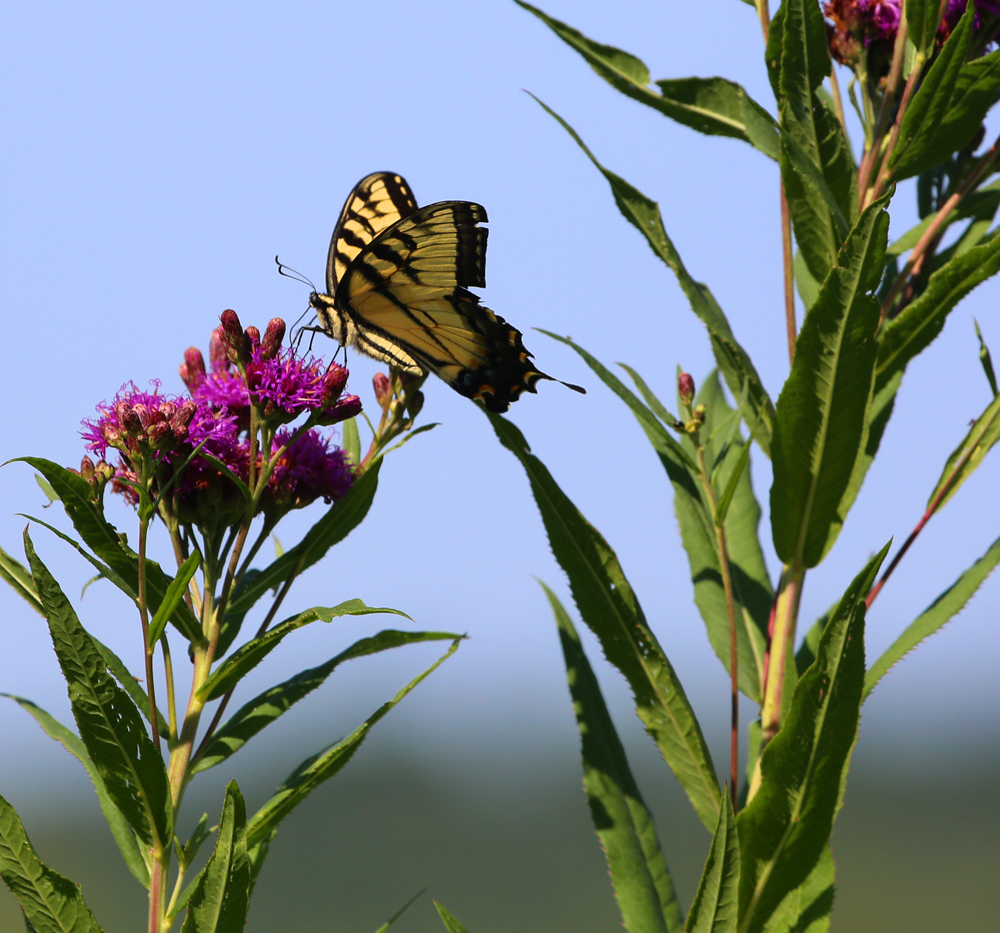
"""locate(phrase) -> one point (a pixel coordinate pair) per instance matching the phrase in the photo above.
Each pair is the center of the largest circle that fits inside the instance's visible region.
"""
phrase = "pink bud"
(273, 336)
(192, 370)
(383, 390)
(217, 352)
(685, 388)
(334, 383)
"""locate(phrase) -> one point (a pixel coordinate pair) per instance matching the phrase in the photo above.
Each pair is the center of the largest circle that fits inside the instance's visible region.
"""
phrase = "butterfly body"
(398, 278)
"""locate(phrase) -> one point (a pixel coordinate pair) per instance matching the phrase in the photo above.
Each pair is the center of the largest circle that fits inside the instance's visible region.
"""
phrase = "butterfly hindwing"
(399, 276)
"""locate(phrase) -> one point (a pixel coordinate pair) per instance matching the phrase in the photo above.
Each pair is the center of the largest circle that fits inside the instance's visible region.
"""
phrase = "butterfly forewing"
(376, 203)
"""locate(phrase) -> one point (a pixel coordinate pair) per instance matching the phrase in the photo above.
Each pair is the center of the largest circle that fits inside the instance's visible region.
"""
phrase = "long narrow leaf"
(17, 575)
(714, 106)
(108, 721)
(643, 887)
(314, 771)
(807, 909)
(51, 903)
(715, 907)
(969, 454)
(402, 910)
(934, 617)
(131, 853)
(172, 598)
(822, 421)
(732, 359)
(253, 652)
(449, 919)
(610, 609)
(784, 830)
(266, 707)
(129, 683)
(220, 902)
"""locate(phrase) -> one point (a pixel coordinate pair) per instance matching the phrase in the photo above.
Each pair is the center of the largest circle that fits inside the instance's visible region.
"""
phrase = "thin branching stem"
(789, 276)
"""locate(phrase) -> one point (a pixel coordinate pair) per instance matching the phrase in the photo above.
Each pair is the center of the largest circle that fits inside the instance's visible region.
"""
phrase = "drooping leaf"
(221, 899)
(732, 359)
(643, 887)
(234, 669)
(715, 905)
(610, 609)
(934, 617)
(77, 497)
(940, 101)
(969, 454)
(263, 826)
(266, 707)
(131, 853)
(450, 920)
(340, 520)
(109, 723)
(714, 106)
(822, 416)
(51, 903)
(784, 829)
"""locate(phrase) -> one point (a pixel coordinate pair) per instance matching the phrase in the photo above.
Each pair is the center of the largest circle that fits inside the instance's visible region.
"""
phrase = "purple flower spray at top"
(156, 435)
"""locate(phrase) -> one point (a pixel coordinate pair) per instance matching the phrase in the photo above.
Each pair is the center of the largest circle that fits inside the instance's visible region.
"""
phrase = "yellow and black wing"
(403, 298)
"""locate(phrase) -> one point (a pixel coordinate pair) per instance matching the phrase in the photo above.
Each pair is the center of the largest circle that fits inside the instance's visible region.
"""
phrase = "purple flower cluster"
(156, 435)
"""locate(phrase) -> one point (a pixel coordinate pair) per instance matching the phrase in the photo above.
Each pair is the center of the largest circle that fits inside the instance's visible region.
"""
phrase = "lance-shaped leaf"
(822, 415)
(732, 359)
(922, 18)
(611, 611)
(934, 617)
(784, 830)
(109, 724)
(938, 101)
(816, 163)
(315, 770)
(266, 707)
(715, 905)
(340, 520)
(130, 684)
(173, 596)
(449, 919)
(751, 583)
(986, 360)
(967, 456)
(77, 497)
(714, 106)
(221, 899)
(807, 909)
(51, 903)
(643, 887)
(131, 853)
(17, 575)
(234, 669)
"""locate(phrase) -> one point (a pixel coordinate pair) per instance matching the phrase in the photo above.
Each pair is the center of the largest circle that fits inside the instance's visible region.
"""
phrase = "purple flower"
(310, 469)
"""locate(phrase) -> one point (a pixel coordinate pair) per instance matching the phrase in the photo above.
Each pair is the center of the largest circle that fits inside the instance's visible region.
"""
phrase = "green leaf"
(986, 360)
(232, 621)
(130, 684)
(939, 101)
(17, 575)
(220, 902)
(175, 593)
(784, 829)
(317, 769)
(807, 286)
(807, 908)
(715, 905)
(87, 516)
(643, 887)
(234, 669)
(51, 903)
(967, 456)
(46, 487)
(109, 724)
(450, 920)
(977, 205)
(922, 17)
(822, 416)
(817, 167)
(714, 106)
(189, 851)
(610, 609)
(350, 441)
(920, 322)
(402, 910)
(733, 362)
(340, 520)
(266, 707)
(942, 610)
(131, 853)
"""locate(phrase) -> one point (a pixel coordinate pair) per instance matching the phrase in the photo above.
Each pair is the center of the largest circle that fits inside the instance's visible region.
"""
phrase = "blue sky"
(156, 160)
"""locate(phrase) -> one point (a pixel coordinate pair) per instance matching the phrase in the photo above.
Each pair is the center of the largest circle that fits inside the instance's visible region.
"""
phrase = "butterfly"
(397, 277)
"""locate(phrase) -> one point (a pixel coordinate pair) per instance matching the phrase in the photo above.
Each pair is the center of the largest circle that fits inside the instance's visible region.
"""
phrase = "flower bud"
(192, 370)
(383, 389)
(273, 336)
(414, 403)
(685, 388)
(87, 469)
(233, 337)
(129, 419)
(334, 383)
(348, 407)
(251, 338)
(217, 352)
(160, 435)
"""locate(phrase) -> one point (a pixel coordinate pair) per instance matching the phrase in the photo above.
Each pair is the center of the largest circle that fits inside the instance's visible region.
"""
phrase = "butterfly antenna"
(290, 273)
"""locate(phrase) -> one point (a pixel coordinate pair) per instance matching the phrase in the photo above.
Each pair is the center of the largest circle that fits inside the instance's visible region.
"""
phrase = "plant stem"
(168, 669)
(727, 585)
(764, 14)
(143, 616)
(786, 256)
(838, 102)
